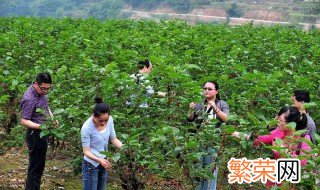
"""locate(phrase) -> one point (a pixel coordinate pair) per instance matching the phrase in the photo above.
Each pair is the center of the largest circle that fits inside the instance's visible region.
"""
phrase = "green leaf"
(317, 137)
(253, 118)
(107, 154)
(191, 144)
(229, 129)
(277, 148)
(300, 132)
(273, 123)
(43, 126)
(44, 133)
(175, 131)
(116, 157)
(4, 98)
(40, 110)
(291, 125)
(6, 72)
(192, 66)
(275, 188)
(124, 136)
(279, 142)
(190, 52)
(160, 138)
(58, 111)
(309, 105)
(232, 117)
(60, 135)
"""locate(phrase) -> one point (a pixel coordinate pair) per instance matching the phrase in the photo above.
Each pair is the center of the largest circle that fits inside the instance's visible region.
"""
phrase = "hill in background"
(298, 11)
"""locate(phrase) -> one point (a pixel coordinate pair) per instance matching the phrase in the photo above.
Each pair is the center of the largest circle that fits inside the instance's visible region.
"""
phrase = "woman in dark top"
(215, 108)
(212, 104)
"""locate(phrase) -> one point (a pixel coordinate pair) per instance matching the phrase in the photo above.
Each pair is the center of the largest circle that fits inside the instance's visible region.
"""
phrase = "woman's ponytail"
(302, 123)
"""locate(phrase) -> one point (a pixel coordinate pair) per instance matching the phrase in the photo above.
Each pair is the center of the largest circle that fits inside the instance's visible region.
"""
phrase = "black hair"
(302, 95)
(43, 78)
(142, 64)
(100, 107)
(216, 86)
(294, 115)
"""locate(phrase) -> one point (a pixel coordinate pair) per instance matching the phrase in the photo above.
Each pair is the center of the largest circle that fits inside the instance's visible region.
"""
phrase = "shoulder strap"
(209, 110)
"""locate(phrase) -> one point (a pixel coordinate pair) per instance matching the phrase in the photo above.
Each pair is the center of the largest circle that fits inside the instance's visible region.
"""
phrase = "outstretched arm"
(30, 124)
(116, 142)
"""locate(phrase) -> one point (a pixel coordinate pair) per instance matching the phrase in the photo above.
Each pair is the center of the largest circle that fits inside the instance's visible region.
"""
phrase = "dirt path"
(57, 174)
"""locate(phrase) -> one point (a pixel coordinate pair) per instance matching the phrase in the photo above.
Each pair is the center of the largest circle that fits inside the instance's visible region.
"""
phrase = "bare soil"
(265, 15)
(210, 12)
(57, 174)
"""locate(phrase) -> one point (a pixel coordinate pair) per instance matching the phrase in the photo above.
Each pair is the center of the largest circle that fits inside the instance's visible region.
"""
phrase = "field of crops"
(257, 69)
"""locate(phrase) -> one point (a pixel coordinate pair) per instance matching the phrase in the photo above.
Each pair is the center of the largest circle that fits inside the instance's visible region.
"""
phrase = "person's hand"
(236, 134)
(56, 123)
(247, 137)
(256, 142)
(105, 163)
(162, 94)
(213, 104)
(192, 105)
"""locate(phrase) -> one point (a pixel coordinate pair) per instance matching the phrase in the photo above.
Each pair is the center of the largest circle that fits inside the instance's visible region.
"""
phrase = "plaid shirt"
(30, 102)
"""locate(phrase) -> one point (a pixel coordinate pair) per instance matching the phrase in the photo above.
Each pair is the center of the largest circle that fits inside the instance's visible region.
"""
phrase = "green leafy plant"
(257, 69)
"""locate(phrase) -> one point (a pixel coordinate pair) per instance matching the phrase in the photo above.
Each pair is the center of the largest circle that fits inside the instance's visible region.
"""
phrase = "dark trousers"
(37, 156)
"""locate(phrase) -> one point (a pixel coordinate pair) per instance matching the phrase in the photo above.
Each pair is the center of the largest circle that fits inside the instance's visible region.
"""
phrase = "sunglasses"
(209, 89)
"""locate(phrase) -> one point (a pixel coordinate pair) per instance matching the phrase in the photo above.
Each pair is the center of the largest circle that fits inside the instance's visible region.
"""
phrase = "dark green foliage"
(257, 69)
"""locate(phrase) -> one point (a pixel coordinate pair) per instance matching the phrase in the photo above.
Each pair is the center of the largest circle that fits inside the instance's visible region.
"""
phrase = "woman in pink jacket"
(287, 115)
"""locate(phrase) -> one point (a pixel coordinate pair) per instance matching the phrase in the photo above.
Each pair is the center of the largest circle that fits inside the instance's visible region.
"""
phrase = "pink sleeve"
(277, 134)
(268, 139)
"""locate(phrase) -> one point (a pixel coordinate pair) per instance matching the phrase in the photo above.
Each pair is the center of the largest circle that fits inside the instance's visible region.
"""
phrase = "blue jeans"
(93, 178)
(209, 184)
